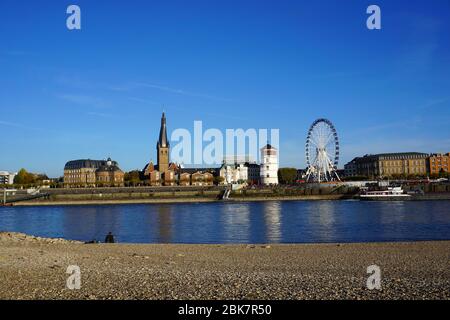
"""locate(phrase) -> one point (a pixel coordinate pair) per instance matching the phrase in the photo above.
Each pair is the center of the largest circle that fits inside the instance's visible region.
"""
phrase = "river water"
(237, 222)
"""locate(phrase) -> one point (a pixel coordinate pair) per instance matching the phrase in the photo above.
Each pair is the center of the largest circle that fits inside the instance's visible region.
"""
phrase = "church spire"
(163, 142)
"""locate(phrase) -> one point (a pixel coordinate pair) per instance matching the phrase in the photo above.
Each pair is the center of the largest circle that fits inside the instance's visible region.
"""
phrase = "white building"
(234, 173)
(269, 165)
(7, 177)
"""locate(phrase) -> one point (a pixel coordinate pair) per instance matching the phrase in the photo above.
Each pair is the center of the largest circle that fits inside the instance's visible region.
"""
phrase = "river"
(237, 222)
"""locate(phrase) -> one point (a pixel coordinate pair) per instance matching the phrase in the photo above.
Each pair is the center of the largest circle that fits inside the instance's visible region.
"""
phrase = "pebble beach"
(35, 268)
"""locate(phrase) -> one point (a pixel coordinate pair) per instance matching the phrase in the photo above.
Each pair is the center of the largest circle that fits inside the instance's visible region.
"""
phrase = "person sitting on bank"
(109, 238)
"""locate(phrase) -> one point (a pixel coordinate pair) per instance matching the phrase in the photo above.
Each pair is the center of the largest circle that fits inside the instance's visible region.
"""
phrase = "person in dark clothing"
(109, 238)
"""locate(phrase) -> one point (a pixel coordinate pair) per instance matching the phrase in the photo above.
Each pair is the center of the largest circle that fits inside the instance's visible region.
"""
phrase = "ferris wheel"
(322, 152)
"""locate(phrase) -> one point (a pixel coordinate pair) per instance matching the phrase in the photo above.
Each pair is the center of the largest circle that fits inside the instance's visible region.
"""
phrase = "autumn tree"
(24, 177)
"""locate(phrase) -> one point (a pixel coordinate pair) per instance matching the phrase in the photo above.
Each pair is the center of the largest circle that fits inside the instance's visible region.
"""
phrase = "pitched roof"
(163, 141)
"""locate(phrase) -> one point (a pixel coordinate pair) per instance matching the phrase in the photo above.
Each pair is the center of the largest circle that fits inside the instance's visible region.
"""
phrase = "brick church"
(169, 173)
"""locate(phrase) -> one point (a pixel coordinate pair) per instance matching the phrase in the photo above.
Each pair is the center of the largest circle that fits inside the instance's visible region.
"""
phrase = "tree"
(132, 177)
(287, 175)
(24, 177)
(443, 173)
(434, 176)
(218, 179)
(41, 177)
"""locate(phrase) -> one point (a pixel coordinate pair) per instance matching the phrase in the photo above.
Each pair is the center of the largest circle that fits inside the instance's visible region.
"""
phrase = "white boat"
(392, 193)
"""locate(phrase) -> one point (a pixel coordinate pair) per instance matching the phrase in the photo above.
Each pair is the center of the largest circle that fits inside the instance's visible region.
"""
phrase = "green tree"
(24, 177)
(287, 175)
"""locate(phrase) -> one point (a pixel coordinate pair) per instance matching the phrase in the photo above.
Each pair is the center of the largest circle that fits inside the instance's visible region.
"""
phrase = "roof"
(251, 165)
(268, 146)
(155, 167)
(87, 163)
(6, 173)
(107, 168)
(440, 154)
(401, 154)
(172, 166)
(163, 141)
(394, 155)
(354, 160)
(84, 163)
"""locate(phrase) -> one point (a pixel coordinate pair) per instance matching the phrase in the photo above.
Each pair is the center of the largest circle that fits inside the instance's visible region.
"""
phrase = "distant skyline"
(99, 92)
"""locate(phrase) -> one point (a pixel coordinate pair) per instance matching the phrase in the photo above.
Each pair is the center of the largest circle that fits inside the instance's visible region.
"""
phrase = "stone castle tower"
(162, 147)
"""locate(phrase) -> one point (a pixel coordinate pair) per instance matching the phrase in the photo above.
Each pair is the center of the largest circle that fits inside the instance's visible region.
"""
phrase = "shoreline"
(205, 200)
(35, 268)
(175, 200)
(20, 236)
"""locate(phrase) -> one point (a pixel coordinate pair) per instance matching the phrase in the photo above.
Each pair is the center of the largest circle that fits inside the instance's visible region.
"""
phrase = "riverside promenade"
(174, 194)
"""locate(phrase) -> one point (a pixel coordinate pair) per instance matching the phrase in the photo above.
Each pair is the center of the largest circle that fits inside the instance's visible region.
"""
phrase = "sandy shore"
(35, 268)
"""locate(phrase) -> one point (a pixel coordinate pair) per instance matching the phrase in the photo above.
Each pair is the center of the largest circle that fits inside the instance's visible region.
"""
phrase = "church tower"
(162, 147)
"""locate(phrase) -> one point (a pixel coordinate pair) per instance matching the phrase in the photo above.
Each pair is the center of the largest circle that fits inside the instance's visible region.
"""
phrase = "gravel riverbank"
(35, 268)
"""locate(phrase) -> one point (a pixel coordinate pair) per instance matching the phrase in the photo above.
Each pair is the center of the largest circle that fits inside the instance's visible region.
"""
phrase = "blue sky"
(100, 91)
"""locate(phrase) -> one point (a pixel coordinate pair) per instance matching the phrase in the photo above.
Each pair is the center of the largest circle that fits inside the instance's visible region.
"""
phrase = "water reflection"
(272, 219)
(321, 218)
(392, 211)
(165, 223)
(236, 222)
(90, 222)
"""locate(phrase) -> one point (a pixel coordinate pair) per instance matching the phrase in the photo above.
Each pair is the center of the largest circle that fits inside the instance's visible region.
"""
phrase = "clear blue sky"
(100, 91)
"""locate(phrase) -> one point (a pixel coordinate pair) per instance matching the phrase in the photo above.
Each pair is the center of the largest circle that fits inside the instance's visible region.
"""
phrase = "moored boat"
(391, 193)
